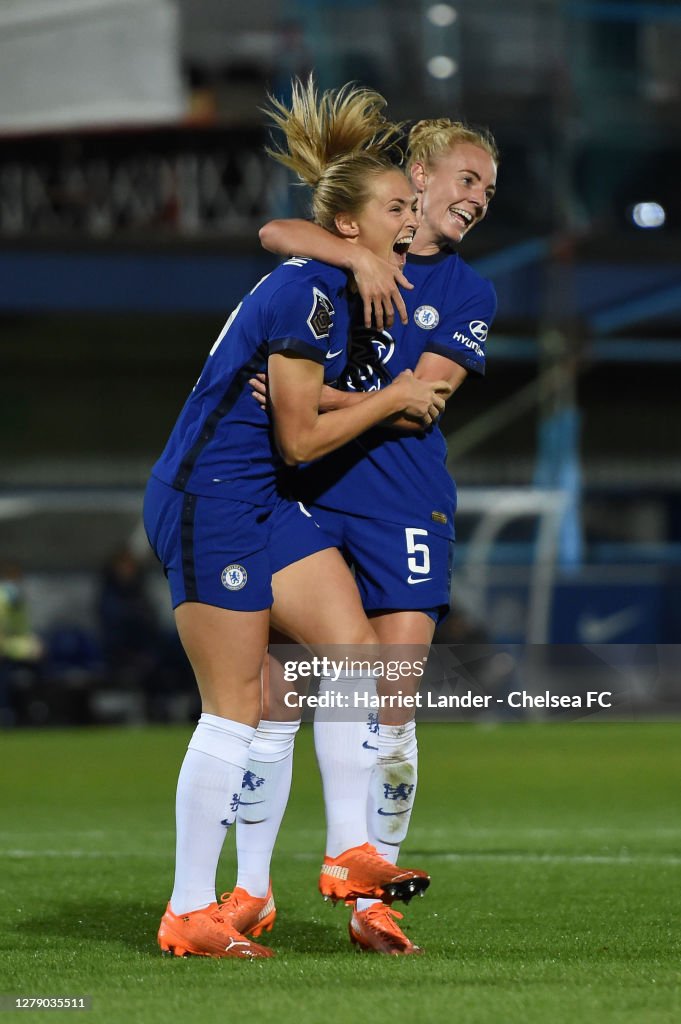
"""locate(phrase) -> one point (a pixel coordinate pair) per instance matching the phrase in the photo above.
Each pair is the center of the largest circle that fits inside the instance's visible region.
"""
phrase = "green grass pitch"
(555, 852)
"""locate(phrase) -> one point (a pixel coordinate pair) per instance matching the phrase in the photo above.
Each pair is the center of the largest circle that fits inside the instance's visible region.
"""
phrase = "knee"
(366, 634)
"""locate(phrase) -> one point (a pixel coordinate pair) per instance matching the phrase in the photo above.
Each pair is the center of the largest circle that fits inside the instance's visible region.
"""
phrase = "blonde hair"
(429, 140)
(334, 143)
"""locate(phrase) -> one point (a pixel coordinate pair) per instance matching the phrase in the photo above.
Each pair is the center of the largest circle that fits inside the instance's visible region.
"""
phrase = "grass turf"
(554, 850)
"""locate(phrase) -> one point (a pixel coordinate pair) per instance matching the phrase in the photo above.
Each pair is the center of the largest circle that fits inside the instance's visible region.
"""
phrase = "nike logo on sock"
(368, 746)
(391, 814)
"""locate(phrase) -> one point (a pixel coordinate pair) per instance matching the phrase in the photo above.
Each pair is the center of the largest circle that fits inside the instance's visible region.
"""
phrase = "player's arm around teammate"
(378, 280)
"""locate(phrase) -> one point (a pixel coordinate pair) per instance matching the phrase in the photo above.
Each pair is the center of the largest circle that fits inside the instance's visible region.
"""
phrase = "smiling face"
(386, 223)
(455, 192)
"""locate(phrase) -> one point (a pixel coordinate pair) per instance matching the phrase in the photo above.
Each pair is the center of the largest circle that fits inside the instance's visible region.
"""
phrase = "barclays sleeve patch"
(320, 320)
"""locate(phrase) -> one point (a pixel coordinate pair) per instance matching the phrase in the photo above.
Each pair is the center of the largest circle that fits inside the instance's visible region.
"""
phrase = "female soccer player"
(231, 543)
(387, 498)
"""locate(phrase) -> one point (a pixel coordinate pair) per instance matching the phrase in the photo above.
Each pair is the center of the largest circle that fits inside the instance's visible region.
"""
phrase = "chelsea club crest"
(427, 317)
(234, 577)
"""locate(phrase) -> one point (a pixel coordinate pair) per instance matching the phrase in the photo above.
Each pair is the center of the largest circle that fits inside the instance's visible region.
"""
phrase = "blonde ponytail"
(334, 143)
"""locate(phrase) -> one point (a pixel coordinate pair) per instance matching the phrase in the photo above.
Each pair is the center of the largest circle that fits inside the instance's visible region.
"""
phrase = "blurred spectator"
(18, 642)
(140, 655)
(21, 650)
(128, 622)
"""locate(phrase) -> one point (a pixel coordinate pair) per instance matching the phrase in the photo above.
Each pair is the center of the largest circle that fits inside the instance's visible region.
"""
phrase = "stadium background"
(132, 185)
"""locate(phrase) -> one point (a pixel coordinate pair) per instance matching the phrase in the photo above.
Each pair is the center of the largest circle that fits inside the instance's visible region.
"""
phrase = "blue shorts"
(222, 552)
(397, 568)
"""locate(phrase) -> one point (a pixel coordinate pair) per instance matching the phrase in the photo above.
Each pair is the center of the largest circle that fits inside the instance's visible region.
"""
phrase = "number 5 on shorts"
(419, 560)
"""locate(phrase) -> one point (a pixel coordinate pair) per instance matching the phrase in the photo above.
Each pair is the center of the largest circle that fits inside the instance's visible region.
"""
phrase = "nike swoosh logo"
(368, 746)
(250, 803)
(332, 355)
(594, 630)
(422, 579)
(227, 823)
(392, 814)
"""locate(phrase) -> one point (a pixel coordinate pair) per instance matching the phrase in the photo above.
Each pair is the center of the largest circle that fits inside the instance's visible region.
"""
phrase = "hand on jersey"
(424, 400)
(378, 283)
(259, 389)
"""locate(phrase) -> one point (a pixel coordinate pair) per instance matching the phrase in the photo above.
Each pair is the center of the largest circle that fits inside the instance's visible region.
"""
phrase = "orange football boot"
(251, 915)
(362, 871)
(376, 929)
(206, 932)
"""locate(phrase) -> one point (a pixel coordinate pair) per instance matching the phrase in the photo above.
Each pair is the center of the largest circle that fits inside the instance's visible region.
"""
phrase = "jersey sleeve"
(462, 330)
(301, 320)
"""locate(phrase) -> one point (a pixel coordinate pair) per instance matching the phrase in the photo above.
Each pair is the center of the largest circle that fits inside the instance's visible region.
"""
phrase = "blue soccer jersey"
(394, 476)
(222, 443)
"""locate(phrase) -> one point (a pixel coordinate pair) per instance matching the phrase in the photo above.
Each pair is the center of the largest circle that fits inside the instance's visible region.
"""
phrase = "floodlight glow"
(441, 15)
(442, 67)
(648, 215)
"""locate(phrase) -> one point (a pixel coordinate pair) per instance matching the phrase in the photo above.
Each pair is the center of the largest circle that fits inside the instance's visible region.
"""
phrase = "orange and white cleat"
(376, 929)
(362, 871)
(206, 932)
(251, 915)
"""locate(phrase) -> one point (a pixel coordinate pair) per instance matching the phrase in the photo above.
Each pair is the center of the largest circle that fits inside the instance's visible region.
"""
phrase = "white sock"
(264, 794)
(346, 752)
(207, 798)
(392, 789)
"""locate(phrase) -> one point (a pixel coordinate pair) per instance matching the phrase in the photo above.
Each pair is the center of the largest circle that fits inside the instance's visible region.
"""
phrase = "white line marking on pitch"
(565, 858)
(84, 854)
(625, 859)
(514, 834)
(544, 858)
